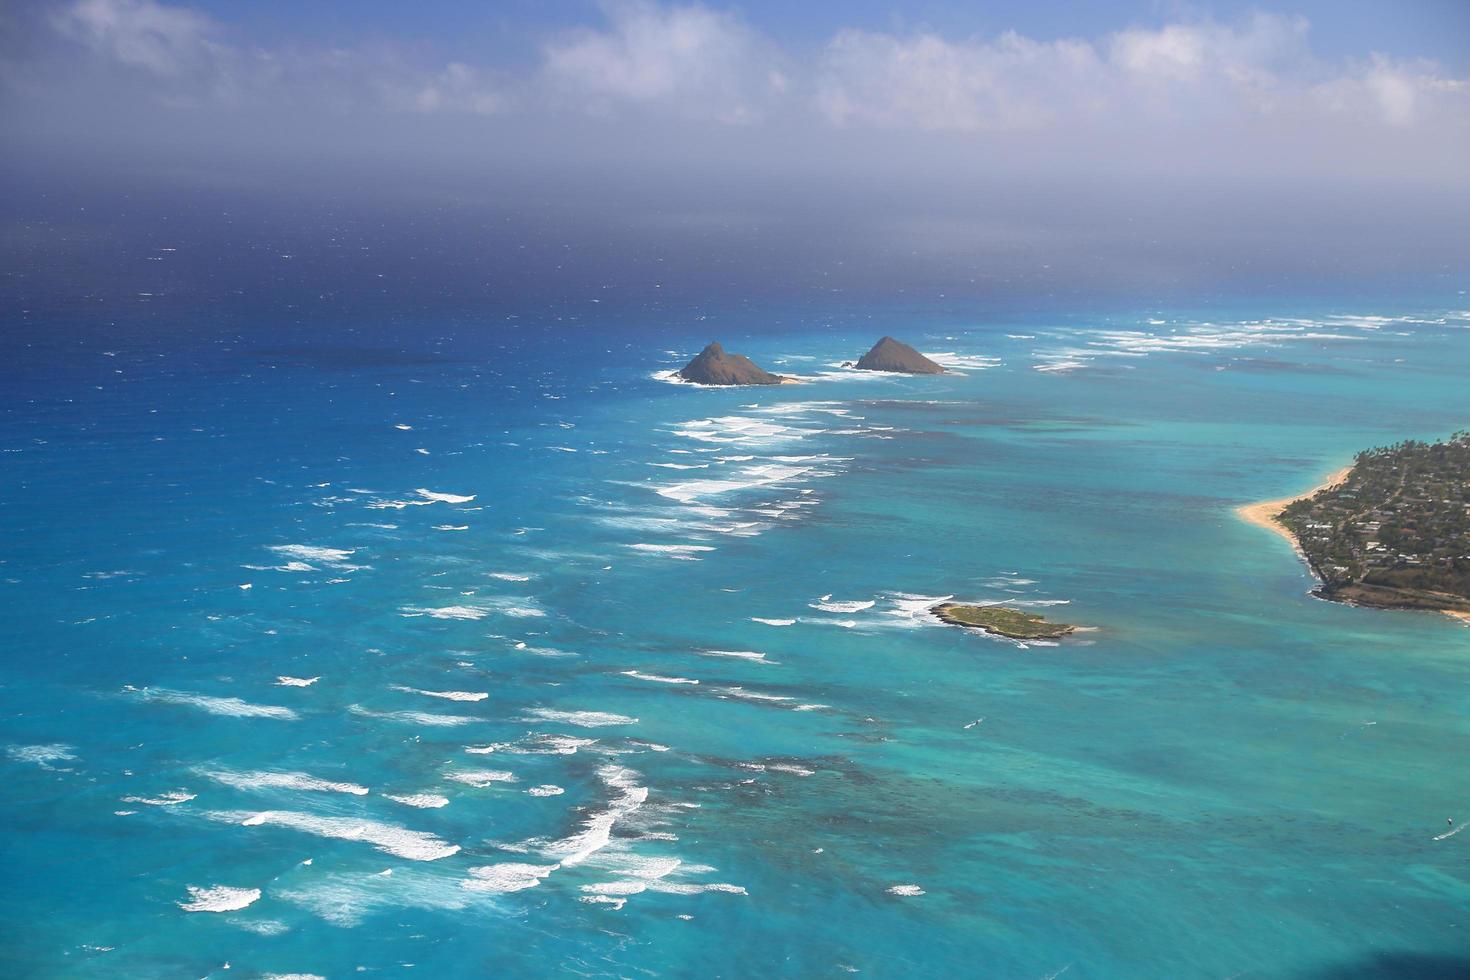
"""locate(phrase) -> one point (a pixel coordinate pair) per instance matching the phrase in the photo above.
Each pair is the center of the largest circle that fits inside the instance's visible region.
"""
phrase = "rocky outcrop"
(712, 366)
(891, 355)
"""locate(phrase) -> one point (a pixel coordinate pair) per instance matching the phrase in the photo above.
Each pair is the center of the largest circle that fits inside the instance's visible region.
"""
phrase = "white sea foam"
(646, 867)
(284, 681)
(583, 719)
(446, 612)
(964, 362)
(616, 887)
(411, 845)
(480, 778)
(511, 576)
(414, 717)
(596, 832)
(659, 678)
(551, 744)
(171, 798)
(219, 898)
(444, 498)
(445, 695)
(694, 888)
(281, 780)
(685, 552)
(546, 790)
(905, 891)
(746, 478)
(309, 552)
(739, 654)
(827, 605)
(42, 755)
(451, 527)
(230, 707)
(741, 694)
(508, 877)
(910, 610)
(346, 899)
(772, 622)
(423, 801)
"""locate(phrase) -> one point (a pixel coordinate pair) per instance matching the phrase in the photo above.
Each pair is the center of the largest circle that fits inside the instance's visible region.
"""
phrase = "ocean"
(475, 647)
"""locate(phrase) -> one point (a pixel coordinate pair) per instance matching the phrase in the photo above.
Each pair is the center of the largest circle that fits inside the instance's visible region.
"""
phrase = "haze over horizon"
(1162, 150)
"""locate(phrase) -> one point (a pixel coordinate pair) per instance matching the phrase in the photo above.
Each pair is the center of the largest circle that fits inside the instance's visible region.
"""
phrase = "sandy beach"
(1264, 514)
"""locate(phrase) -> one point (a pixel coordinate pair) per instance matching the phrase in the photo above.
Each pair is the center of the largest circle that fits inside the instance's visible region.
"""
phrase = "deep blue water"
(503, 553)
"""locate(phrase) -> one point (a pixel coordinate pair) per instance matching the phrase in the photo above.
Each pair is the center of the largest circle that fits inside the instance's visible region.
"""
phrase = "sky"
(1138, 143)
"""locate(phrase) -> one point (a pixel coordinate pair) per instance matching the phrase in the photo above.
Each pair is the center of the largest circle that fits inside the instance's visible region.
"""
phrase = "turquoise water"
(526, 545)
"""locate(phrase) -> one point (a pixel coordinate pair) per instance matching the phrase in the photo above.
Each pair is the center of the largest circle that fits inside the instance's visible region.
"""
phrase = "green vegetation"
(1396, 532)
(1002, 620)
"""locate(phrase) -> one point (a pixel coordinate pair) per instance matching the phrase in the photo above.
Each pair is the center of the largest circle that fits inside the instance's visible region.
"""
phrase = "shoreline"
(1265, 513)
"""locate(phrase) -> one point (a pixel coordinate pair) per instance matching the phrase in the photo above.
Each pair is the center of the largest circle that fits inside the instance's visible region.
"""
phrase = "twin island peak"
(713, 366)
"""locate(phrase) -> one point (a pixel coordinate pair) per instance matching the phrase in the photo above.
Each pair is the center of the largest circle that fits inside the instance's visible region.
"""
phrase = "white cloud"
(140, 33)
(1203, 74)
(184, 52)
(927, 82)
(1249, 83)
(1400, 93)
(693, 60)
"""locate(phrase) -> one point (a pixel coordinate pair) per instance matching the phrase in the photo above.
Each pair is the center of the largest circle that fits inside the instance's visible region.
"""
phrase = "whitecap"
(445, 695)
(284, 681)
(230, 707)
(596, 832)
(659, 678)
(738, 654)
(446, 612)
(583, 719)
(170, 798)
(480, 778)
(546, 790)
(842, 607)
(266, 779)
(309, 552)
(414, 717)
(685, 552)
(219, 898)
(412, 845)
(508, 877)
(423, 801)
(905, 891)
(772, 622)
(616, 887)
(444, 498)
(42, 755)
(694, 888)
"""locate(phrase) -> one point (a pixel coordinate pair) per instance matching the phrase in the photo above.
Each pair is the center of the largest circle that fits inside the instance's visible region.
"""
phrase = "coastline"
(1264, 514)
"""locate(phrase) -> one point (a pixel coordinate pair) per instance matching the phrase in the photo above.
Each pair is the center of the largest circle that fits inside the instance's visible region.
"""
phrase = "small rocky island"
(1394, 531)
(1002, 621)
(892, 355)
(712, 366)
